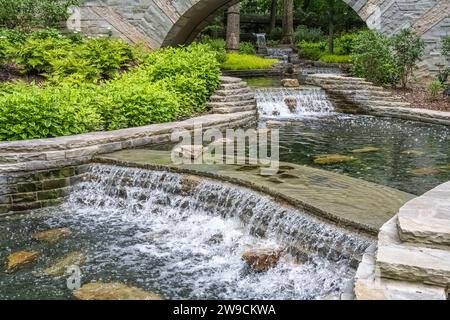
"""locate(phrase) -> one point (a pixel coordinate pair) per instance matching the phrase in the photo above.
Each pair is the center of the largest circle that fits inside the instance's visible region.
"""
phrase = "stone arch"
(161, 23)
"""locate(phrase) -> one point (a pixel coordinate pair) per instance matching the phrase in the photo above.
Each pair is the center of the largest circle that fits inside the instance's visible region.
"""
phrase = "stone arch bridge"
(160, 23)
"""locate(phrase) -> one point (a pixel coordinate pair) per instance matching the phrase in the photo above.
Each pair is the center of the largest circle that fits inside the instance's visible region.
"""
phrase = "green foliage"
(408, 49)
(28, 112)
(373, 59)
(237, 61)
(276, 34)
(446, 47)
(344, 44)
(434, 89)
(334, 58)
(169, 84)
(9, 39)
(218, 45)
(247, 48)
(311, 50)
(30, 14)
(303, 33)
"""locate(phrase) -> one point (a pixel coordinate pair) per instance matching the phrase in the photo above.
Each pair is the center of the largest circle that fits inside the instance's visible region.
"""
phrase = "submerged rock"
(113, 291)
(190, 183)
(332, 158)
(290, 83)
(275, 180)
(52, 235)
(427, 171)
(261, 259)
(367, 150)
(215, 239)
(60, 267)
(20, 259)
(415, 153)
(275, 112)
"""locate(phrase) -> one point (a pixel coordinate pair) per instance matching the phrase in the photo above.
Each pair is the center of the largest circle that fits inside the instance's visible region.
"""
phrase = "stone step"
(233, 92)
(232, 86)
(369, 286)
(233, 98)
(400, 261)
(355, 87)
(227, 80)
(231, 104)
(363, 93)
(386, 103)
(234, 109)
(424, 220)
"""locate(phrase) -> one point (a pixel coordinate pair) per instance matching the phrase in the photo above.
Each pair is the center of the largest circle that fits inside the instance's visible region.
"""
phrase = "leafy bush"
(9, 39)
(344, 44)
(334, 58)
(169, 84)
(408, 49)
(29, 14)
(218, 45)
(303, 33)
(373, 59)
(311, 50)
(247, 48)
(434, 88)
(276, 34)
(237, 61)
(28, 112)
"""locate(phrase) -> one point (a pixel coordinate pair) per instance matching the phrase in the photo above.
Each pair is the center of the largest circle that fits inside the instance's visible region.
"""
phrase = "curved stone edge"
(279, 197)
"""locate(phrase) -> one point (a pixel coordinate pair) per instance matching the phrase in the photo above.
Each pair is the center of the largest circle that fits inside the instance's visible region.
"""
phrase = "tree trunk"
(331, 17)
(233, 27)
(288, 22)
(273, 15)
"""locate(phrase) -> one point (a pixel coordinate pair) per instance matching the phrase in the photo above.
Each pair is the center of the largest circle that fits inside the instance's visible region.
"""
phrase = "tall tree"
(331, 21)
(288, 22)
(273, 14)
(233, 27)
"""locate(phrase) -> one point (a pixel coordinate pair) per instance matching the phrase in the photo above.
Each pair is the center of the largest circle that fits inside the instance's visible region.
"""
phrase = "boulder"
(20, 259)
(113, 291)
(60, 267)
(260, 260)
(290, 83)
(332, 159)
(190, 183)
(292, 104)
(52, 235)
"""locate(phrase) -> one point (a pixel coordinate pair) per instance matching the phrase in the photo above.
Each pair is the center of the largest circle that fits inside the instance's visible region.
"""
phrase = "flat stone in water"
(332, 159)
(60, 267)
(260, 260)
(20, 259)
(52, 235)
(113, 291)
(427, 171)
(367, 150)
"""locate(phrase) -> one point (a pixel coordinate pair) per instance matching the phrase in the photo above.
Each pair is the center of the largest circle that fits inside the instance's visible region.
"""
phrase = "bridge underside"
(160, 23)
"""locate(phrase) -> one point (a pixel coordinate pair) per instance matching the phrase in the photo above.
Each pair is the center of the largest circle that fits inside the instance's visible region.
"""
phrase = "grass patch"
(335, 58)
(236, 61)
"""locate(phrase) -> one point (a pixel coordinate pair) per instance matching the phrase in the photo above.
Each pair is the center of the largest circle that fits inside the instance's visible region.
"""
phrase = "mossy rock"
(20, 259)
(332, 159)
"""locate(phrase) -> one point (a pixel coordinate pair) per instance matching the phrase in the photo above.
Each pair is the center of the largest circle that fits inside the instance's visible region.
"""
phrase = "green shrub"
(218, 46)
(9, 40)
(372, 58)
(408, 50)
(247, 48)
(344, 44)
(28, 112)
(446, 47)
(30, 14)
(334, 58)
(311, 50)
(434, 88)
(276, 34)
(303, 33)
(237, 61)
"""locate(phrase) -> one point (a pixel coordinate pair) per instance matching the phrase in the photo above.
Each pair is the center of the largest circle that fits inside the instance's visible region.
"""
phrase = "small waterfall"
(261, 44)
(183, 237)
(286, 103)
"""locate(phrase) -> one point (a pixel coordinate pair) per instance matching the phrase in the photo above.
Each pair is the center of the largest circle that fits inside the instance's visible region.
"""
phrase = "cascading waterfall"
(184, 237)
(287, 103)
